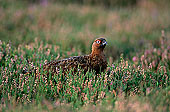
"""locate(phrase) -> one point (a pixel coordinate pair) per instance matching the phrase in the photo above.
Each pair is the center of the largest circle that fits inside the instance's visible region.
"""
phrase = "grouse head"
(98, 45)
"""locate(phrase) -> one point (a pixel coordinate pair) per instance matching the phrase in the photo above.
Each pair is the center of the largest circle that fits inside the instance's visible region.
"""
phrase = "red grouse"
(95, 61)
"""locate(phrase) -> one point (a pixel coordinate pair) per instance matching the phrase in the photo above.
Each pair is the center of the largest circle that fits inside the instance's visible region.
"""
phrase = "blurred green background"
(74, 24)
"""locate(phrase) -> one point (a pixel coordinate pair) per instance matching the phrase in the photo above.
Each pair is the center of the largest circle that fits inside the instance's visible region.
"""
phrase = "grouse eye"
(98, 42)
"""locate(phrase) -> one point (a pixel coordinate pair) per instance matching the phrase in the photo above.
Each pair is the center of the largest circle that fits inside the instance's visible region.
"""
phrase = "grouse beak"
(103, 44)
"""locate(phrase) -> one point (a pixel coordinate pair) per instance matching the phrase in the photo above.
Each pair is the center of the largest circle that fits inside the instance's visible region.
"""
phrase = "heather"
(138, 53)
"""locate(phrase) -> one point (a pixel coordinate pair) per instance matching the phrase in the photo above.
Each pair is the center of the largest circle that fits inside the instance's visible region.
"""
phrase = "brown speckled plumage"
(95, 61)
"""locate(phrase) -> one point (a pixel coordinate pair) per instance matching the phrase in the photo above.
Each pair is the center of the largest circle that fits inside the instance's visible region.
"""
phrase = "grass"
(138, 79)
(125, 80)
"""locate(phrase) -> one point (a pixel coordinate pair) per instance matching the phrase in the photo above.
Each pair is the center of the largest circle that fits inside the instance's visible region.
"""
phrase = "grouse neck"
(97, 52)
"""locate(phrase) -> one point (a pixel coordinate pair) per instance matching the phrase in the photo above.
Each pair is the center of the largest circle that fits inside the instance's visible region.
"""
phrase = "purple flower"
(134, 59)
(44, 2)
(113, 65)
(147, 52)
(111, 83)
(15, 57)
(168, 47)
